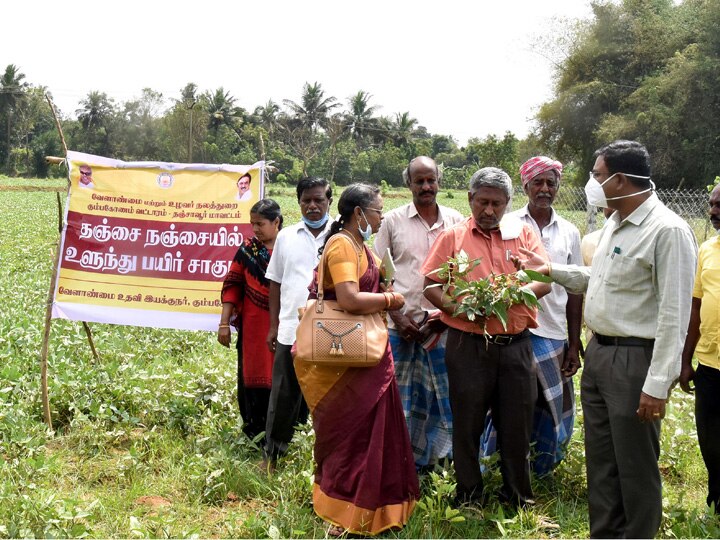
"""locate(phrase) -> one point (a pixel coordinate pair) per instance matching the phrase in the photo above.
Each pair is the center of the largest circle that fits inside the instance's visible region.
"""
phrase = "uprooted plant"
(488, 297)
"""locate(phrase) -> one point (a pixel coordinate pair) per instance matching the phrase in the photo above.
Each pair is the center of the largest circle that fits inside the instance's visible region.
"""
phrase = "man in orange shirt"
(494, 369)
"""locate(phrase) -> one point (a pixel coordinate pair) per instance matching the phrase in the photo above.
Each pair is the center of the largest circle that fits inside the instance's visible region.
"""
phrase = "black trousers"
(621, 452)
(287, 407)
(503, 378)
(707, 418)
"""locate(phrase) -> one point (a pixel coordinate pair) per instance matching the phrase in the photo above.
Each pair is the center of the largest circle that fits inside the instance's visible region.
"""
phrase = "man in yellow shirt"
(703, 338)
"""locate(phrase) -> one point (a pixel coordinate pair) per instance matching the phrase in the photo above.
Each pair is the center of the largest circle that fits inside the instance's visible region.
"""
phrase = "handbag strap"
(321, 271)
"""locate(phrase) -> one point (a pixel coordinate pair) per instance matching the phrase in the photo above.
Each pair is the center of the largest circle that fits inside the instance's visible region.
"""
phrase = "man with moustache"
(703, 339)
(289, 271)
(417, 336)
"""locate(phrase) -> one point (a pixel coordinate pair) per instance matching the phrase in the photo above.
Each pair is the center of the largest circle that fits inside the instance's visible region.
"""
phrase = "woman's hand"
(223, 336)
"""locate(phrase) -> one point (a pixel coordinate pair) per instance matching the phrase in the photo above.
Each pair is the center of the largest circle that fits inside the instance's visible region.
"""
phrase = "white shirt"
(561, 240)
(640, 285)
(292, 262)
(410, 238)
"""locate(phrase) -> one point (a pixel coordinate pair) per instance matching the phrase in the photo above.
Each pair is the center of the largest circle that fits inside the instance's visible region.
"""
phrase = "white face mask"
(366, 233)
(596, 194)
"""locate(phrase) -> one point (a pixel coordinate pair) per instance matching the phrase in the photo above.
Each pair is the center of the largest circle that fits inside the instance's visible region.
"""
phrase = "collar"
(525, 211)
(303, 227)
(412, 212)
(641, 212)
(474, 228)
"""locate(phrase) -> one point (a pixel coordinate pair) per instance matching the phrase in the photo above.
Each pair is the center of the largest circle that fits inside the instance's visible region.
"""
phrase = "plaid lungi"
(423, 383)
(554, 412)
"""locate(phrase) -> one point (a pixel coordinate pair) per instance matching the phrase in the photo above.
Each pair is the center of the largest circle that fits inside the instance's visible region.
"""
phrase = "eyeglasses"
(378, 210)
(85, 173)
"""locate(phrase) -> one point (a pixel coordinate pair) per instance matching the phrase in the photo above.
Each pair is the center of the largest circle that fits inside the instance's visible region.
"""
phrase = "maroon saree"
(365, 479)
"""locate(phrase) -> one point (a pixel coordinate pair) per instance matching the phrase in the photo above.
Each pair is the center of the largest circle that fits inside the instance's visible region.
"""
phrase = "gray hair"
(492, 177)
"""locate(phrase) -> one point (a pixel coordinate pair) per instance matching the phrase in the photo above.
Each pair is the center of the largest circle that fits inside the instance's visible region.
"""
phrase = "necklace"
(352, 239)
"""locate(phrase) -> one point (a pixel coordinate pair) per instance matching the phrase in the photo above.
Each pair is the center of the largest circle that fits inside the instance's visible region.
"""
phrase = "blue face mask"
(316, 224)
(366, 233)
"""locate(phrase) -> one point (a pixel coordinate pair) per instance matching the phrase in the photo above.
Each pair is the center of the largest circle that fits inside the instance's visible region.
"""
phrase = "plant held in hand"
(489, 297)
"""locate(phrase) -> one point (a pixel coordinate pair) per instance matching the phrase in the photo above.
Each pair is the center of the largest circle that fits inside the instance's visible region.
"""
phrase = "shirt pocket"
(627, 273)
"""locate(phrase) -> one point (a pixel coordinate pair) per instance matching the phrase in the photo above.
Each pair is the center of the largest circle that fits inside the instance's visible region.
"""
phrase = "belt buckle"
(502, 340)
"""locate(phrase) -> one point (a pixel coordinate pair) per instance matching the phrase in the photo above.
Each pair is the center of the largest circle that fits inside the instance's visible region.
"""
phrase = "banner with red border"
(149, 243)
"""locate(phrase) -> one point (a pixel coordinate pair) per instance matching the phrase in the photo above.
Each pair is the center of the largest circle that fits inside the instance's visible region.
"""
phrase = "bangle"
(223, 326)
(388, 299)
(549, 267)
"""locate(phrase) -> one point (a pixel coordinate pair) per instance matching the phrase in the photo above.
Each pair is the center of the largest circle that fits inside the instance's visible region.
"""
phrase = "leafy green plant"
(488, 297)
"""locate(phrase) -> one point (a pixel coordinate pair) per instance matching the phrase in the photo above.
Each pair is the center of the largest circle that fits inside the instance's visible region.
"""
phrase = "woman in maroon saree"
(245, 306)
(365, 480)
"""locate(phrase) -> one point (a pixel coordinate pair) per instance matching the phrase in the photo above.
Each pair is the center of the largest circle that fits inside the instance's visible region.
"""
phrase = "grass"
(147, 440)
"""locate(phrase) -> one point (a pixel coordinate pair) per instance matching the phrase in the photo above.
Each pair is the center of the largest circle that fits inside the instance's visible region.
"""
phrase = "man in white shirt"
(243, 184)
(290, 271)
(408, 232)
(637, 303)
(556, 340)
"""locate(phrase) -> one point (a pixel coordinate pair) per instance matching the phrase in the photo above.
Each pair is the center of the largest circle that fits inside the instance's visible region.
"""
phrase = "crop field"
(147, 440)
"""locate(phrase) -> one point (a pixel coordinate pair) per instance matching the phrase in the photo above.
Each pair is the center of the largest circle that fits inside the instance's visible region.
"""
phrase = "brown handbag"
(330, 336)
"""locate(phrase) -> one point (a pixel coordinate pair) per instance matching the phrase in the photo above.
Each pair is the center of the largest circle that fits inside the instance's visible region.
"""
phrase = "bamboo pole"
(53, 282)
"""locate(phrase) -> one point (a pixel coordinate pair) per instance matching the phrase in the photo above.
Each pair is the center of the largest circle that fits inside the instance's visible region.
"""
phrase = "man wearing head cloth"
(556, 340)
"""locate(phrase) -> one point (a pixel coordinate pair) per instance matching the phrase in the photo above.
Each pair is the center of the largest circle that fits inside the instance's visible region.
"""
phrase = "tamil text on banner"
(149, 243)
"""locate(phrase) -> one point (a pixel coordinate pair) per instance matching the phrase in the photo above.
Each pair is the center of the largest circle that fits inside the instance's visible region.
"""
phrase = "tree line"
(642, 69)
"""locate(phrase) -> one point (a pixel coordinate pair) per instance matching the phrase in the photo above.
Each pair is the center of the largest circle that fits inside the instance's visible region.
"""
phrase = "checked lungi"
(423, 383)
(554, 416)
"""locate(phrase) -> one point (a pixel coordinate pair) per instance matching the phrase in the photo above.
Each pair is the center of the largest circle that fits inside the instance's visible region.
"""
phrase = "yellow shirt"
(707, 287)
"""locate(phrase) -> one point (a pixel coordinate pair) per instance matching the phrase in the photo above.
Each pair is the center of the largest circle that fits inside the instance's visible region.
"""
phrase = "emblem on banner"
(165, 180)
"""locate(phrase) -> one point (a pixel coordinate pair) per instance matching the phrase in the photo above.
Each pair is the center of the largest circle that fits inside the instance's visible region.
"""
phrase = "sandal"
(335, 532)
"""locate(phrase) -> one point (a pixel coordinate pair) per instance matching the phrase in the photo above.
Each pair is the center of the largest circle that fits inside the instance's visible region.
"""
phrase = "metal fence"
(691, 205)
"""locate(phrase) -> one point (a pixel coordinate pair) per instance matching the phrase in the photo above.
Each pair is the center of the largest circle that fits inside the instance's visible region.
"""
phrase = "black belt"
(624, 341)
(507, 339)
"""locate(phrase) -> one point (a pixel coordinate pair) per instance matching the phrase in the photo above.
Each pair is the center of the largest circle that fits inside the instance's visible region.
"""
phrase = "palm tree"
(267, 116)
(221, 108)
(360, 118)
(12, 89)
(314, 108)
(96, 110)
(403, 127)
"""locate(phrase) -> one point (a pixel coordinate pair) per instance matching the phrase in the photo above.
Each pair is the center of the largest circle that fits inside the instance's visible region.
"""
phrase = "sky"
(466, 68)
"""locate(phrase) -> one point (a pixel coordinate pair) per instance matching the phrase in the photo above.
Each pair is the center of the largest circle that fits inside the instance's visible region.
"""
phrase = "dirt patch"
(153, 501)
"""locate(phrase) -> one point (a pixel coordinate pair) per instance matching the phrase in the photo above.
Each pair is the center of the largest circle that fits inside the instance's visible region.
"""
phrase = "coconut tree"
(222, 111)
(314, 107)
(403, 127)
(360, 117)
(12, 90)
(267, 116)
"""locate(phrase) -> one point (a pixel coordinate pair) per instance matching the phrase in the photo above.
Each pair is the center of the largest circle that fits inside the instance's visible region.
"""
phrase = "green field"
(147, 440)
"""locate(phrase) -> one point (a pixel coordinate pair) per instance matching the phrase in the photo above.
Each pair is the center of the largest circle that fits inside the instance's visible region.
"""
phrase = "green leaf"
(535, 276)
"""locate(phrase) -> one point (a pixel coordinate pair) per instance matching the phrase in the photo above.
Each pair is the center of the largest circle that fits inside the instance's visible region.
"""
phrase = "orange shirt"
(494, 254)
